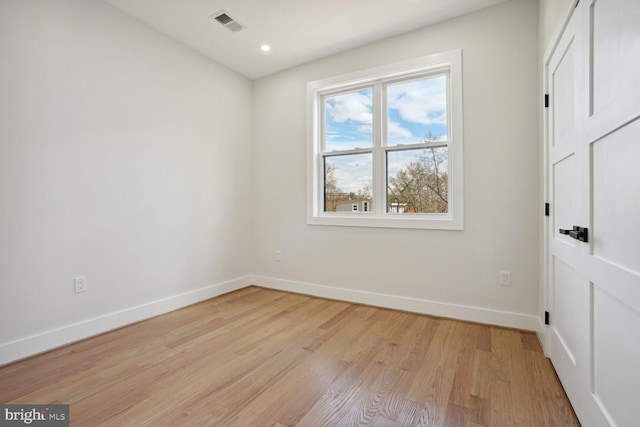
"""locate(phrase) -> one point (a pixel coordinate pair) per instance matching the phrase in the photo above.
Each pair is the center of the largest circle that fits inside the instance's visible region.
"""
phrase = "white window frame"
(448, 62)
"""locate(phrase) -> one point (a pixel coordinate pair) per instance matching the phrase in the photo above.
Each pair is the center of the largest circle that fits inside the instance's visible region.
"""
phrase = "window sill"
(414, 221)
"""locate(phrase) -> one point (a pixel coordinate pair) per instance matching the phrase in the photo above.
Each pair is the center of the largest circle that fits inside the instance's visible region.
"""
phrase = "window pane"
(348, 119)
(418, 181)
(347, 183)
(417, 111)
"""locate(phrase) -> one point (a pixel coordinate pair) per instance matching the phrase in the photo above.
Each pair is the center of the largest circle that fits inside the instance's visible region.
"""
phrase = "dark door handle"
(578, 233)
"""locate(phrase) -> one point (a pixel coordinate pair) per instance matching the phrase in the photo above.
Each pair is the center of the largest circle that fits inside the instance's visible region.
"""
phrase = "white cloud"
(396, 130)
(355, 106)
(365, 129)
(422, 101)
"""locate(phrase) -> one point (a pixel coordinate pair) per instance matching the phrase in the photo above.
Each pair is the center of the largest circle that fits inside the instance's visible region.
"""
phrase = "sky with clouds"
(415, 110)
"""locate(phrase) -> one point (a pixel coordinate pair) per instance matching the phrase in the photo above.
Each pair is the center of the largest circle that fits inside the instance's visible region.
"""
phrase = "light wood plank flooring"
(258, 357)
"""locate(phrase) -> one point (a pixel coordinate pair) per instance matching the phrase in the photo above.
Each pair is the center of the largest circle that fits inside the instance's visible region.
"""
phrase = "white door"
(568, 344)
(593, 166)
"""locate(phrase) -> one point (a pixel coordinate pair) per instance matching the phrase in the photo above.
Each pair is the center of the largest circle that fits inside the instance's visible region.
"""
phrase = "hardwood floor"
(259, 357)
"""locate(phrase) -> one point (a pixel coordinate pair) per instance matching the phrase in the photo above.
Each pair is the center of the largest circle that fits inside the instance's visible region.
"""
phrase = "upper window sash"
(338, 101)
(426, 76)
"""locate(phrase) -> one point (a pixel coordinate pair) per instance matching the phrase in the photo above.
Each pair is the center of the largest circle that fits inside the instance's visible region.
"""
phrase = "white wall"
(124, 157)
(502, 182)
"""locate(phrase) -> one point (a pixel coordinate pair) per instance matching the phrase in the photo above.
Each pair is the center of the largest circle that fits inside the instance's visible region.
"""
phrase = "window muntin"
(404, 119)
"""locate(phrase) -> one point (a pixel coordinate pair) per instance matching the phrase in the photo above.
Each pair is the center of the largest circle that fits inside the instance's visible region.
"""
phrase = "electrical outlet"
(505, 278)
(80, 284)
(278, 255)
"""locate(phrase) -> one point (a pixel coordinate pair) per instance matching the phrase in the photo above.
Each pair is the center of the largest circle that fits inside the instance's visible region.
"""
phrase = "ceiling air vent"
(230, 23)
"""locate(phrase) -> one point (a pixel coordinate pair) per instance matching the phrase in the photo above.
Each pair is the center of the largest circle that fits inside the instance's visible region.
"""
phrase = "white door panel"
(567, 302)
(615, 61)
(615, 355)
(615, 348)
(565, 199)
(563, 130)
(616, 197)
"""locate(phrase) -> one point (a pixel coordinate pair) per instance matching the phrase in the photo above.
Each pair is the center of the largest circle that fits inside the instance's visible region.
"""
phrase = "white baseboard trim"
(39, 343)
(29, 346)
(434, 308)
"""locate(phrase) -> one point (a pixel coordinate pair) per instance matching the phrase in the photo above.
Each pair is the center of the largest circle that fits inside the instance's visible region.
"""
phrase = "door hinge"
(546, 209)
(546, 100)
(546, 318)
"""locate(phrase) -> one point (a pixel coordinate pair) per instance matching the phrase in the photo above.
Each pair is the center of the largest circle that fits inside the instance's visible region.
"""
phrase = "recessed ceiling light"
(265, 48)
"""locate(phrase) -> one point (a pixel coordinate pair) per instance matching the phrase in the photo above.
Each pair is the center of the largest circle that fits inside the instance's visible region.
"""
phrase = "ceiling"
(298, 31)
